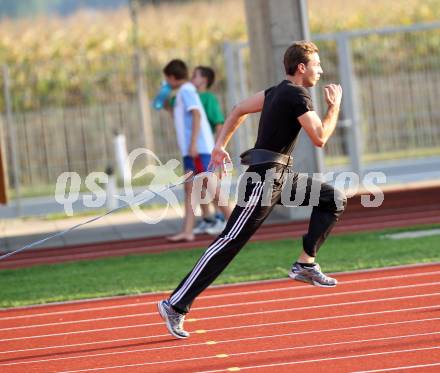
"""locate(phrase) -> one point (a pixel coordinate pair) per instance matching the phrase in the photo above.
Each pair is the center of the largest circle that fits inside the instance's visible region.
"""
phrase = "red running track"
(373, 321)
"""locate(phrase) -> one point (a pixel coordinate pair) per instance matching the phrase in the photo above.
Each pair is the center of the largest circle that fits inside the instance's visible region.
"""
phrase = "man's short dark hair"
(207, 73)
(298, 52)
(176, 68)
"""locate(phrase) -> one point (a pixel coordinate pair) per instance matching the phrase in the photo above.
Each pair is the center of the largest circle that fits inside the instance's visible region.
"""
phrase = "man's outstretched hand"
(333, 94)
(219, 158)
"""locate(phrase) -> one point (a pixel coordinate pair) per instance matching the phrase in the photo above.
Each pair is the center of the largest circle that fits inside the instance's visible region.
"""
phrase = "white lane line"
(228, 316)
(399, 368)
(308, 332)
(215, 296)
(145, 314)
(258, 352)
(319, 306)
(299, 321)
(326, 359)
(86, 331)
(272, 324)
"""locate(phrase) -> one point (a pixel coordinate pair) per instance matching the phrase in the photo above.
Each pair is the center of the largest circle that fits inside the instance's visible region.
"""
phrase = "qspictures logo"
(165, 180)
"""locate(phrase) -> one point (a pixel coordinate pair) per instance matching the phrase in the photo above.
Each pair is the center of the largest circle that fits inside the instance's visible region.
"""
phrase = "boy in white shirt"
(194, 136)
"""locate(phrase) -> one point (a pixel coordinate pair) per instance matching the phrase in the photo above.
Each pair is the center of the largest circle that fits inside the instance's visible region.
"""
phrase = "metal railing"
(390, 78)
(391, 81)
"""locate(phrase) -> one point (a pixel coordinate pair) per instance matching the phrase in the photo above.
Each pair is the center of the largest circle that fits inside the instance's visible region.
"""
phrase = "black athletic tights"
(261, 189)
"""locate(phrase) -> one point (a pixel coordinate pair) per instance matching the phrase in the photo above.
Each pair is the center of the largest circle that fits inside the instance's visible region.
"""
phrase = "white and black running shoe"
(173, 320)
(203, 226)
(312, 275)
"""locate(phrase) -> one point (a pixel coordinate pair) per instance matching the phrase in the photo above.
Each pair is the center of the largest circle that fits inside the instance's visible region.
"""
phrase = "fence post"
(317, 153)
(244, 93)
(231, 77)
(12, 134)
(350, 106)
(143, 102)
(142, 97)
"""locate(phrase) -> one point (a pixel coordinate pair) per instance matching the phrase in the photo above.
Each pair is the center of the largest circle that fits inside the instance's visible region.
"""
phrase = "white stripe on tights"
(250, 207)
(216, 247)
(221, 243)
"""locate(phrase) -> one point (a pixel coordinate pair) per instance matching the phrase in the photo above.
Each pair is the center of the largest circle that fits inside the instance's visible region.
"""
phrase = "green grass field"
(135, 274)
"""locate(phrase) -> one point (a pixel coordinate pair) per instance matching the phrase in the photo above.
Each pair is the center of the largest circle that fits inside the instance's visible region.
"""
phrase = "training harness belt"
(253, 157)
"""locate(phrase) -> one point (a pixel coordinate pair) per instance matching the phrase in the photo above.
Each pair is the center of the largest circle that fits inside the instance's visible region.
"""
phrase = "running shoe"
(216, 228)
(202, 227)
(173, 320)
(312, 275)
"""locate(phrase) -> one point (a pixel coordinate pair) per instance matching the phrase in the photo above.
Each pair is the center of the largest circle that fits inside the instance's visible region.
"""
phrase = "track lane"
(149, 309)
(358, 319)
(348, 280)
(226, 315)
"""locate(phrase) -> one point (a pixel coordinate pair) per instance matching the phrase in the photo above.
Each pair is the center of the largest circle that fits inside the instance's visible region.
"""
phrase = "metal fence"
(391, 83)
(62, 128)
(58, 120)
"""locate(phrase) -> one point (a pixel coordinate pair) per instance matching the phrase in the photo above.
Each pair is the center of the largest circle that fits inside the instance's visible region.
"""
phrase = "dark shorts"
(198, 164)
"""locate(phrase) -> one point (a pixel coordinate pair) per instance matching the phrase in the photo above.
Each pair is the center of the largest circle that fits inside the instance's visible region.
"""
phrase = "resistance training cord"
(62, 233)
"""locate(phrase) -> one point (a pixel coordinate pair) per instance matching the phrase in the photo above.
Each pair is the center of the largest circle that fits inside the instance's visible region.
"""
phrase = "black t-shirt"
(279, 125)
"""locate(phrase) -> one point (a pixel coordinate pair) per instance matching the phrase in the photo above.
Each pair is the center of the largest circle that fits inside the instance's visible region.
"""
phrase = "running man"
(285, 110)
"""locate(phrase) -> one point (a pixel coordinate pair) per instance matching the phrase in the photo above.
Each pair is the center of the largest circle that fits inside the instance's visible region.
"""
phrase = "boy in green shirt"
(203, 78)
